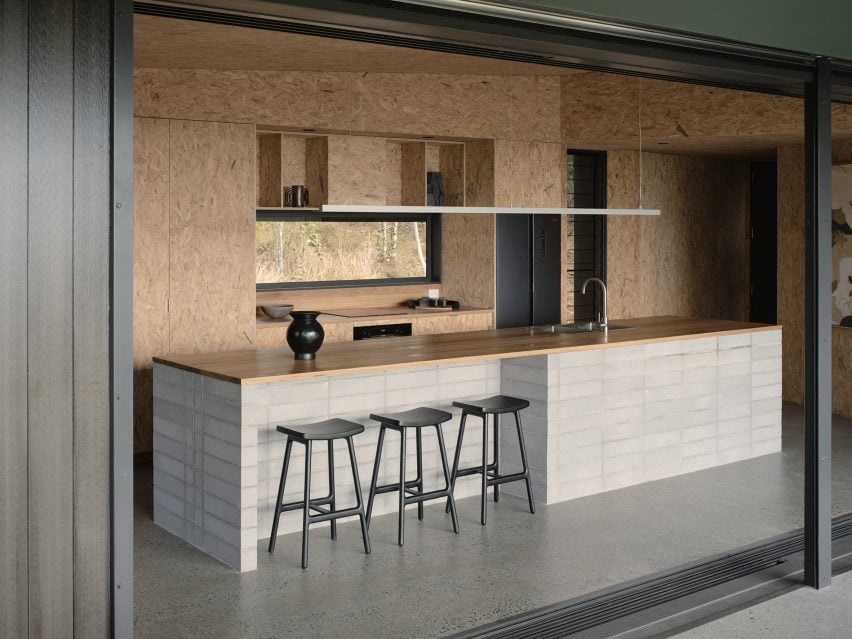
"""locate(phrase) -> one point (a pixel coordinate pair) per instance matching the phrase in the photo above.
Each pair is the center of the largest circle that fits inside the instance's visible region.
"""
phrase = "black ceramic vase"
(305, 334)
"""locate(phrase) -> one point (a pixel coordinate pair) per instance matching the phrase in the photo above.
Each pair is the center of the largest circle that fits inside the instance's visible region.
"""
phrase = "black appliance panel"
(514, 297)
(386, 330)
(546, 269)
(528, 270)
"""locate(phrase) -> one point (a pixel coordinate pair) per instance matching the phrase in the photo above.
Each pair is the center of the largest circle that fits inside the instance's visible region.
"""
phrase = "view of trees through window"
(325, 251)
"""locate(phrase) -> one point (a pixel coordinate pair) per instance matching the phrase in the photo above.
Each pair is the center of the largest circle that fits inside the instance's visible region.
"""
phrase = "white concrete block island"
(665, 396)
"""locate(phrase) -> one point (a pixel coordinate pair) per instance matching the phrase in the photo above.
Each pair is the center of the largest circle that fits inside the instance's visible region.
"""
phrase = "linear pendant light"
(371, 208)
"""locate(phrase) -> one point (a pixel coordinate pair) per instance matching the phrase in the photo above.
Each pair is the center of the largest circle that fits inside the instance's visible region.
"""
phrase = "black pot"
(305, 334)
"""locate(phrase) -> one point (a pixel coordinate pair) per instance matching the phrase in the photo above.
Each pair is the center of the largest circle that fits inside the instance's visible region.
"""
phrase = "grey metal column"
(818, 327)
(121, 320)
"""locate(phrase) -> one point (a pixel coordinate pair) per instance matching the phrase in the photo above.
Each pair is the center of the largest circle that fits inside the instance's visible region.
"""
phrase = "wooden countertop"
(276, 364)
(378, 314)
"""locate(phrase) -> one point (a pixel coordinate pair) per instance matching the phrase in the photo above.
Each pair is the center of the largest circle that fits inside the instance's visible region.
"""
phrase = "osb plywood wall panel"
(309, 100)
(791, 269)
(468, 259)
(433, 157)
(479, 106)
(451, 165)
(467, 241)
(487, 106)
(686, 266)
(268, 163)
(316, 170)
(600, 107)
(211, 235)
(479, 173)
(356, 167)
(412, 172)
(623, 236)
(529, 174)
(159, 41)
(150, 265)
(452, 324)
(393, 177)
(293, 163)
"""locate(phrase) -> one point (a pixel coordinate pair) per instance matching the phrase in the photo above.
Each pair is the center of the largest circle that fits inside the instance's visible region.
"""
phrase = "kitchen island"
(664, 396)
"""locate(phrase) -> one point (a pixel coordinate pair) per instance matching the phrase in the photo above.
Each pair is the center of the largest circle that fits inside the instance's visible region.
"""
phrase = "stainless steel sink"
(578, 327)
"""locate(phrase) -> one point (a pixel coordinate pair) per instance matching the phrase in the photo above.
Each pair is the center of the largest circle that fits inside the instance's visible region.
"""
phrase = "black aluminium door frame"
(818, 327)
(556, 39)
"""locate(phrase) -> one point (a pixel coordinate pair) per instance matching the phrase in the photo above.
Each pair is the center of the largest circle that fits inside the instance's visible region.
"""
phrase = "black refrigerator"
(528, 270)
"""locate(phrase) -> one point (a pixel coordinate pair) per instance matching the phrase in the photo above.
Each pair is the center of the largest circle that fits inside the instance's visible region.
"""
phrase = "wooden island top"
(276, 364)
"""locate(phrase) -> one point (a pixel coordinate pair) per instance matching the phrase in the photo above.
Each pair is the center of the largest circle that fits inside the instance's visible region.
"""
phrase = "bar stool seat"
(306, 434)
(495, 405)
(414, 418)
(329, 429)
(411, 491)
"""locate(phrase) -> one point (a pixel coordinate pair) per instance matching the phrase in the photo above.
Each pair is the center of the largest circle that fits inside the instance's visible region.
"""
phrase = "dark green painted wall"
(821, 27)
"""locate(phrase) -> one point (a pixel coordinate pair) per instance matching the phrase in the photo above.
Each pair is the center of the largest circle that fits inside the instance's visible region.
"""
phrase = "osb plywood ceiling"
(170, 43)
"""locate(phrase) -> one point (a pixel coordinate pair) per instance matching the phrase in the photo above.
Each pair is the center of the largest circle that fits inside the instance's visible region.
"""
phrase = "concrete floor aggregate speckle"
(440, 583)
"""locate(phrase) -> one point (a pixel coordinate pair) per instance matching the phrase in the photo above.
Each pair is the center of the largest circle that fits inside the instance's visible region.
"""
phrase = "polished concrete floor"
(440, 583)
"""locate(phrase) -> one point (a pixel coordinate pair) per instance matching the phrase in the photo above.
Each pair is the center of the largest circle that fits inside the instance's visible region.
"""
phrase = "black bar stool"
(496, 406)
(328, 430)
(411, 492)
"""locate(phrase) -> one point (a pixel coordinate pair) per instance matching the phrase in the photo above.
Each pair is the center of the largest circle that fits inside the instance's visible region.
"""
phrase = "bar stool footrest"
(505, 479)
(299, 505)
(335, 514)
(475, 470)
(391, 488)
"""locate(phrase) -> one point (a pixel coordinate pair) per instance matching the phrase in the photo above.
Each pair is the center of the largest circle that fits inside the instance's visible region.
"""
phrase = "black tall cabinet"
(528, 270)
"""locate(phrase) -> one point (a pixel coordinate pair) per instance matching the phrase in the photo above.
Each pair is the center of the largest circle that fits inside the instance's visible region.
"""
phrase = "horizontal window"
(313, 250)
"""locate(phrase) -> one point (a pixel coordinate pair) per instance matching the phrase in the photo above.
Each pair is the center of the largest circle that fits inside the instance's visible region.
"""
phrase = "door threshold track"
(674, 599)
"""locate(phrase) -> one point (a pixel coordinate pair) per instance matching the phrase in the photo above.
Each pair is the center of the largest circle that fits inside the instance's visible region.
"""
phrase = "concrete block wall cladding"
(623, 416)
(215, 482)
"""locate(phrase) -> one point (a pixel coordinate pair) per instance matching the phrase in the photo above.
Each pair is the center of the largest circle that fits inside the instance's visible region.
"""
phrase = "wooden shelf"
(288, 208)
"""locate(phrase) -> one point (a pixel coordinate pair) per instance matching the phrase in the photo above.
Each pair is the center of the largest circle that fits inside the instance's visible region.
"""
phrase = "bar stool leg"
(359, 500)
(496, 456)
(524, 461)
(484, 508)
(401, 533)
(331, 486)
(374, 481)
(450, 501)
(284, 467)
(420, 472)
(456, 458)
(307, 511)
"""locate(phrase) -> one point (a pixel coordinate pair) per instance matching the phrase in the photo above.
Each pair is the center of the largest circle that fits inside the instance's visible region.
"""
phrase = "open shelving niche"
(356, 169)
(375, 169)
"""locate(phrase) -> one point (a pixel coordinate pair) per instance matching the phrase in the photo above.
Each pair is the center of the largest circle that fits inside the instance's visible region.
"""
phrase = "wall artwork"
(841, 244)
